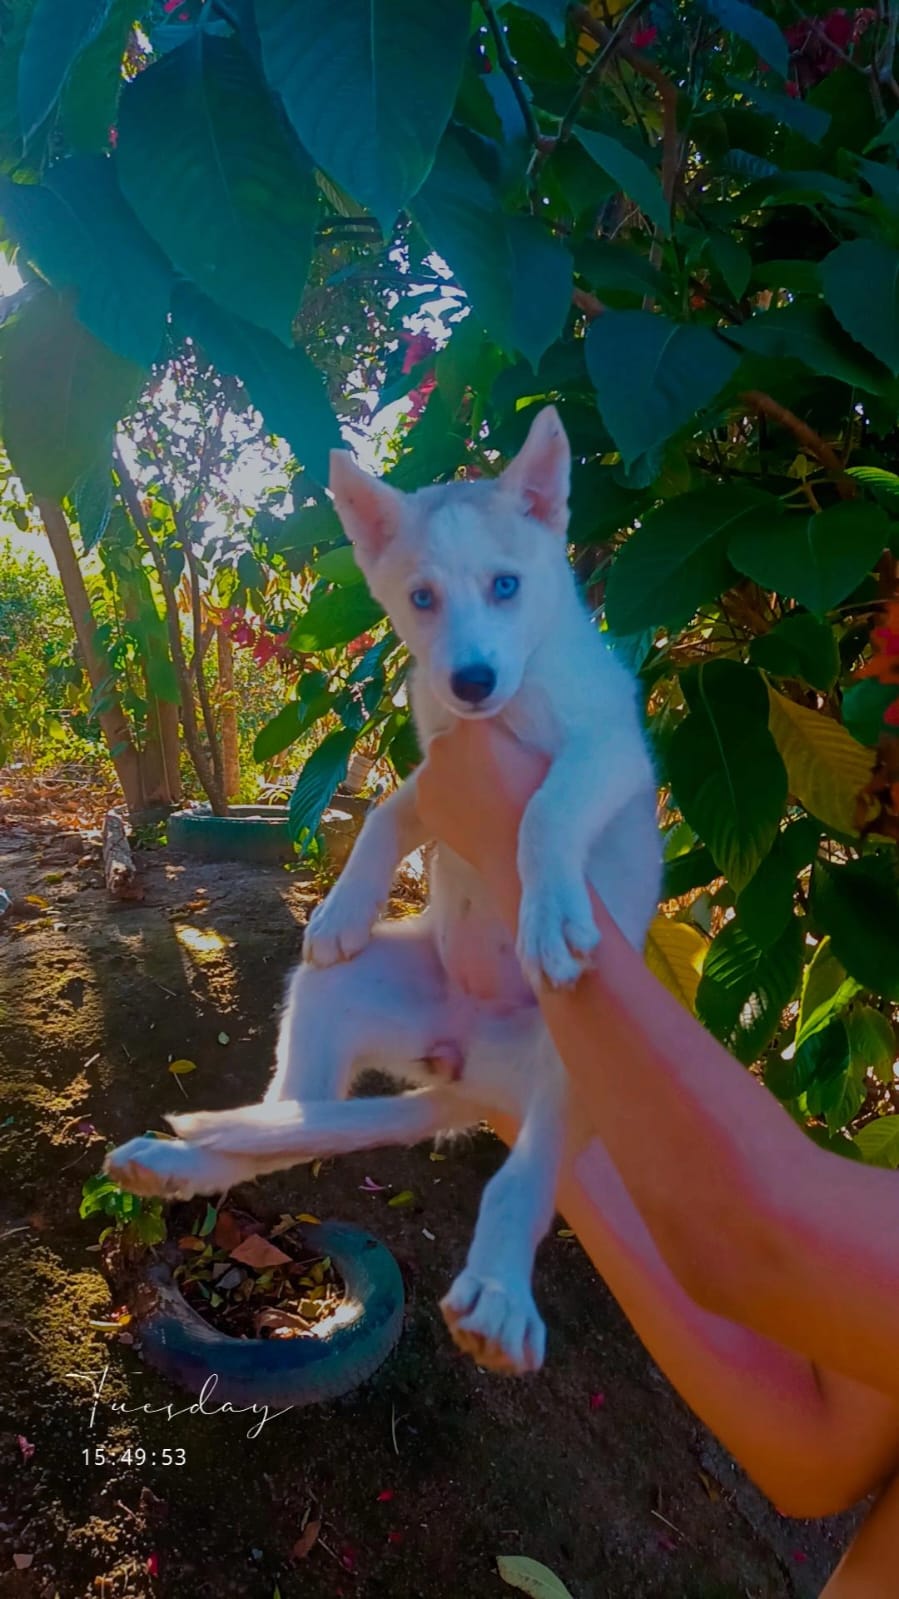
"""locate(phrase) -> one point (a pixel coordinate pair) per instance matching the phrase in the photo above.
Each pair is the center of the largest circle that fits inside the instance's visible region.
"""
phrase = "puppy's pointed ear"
(369, 510)
(539, 476)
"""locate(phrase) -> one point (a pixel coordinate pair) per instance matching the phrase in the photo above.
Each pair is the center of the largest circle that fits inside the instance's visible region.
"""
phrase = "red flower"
(418, 347)
(597, 1401)
(884, 663)
(891, 714)
(358, 646)
(644, 37)
(153, 1565)
(420, 396)
(385, 1496)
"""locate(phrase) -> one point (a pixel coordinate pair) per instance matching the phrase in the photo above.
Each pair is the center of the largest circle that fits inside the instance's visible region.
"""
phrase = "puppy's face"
(467, 572)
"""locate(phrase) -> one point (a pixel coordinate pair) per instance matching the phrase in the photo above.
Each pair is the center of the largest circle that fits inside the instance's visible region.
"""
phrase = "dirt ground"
(423, 1476)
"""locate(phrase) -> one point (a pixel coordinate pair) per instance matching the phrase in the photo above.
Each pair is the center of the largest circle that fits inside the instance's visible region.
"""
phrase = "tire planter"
(259, 834)
(282, 1372)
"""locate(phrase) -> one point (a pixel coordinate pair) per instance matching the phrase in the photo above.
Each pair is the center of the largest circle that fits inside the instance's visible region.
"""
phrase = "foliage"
(41, 701)
(684, 232)
(140, 1221)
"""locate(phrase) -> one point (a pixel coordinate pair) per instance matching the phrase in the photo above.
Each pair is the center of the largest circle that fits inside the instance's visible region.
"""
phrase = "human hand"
(471, 793)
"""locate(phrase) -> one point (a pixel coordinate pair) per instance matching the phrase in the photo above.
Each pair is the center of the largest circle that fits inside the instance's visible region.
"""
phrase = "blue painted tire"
(291, 1371)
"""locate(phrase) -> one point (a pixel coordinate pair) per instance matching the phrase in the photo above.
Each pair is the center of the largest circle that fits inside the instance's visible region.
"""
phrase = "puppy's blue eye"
(422, 599)
(505, 585)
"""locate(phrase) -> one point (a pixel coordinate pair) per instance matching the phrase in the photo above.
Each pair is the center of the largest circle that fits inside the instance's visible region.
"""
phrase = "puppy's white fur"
(448, 986)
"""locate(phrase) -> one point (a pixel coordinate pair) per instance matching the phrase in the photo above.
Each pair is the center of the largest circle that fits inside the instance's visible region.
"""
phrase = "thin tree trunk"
(112, 719)
(230, 742)
(160, 762)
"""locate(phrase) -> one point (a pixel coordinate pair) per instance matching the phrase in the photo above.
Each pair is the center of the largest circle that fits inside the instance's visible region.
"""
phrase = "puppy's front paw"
(556, 932)
(340, 927)
(496, 1322)
(167, 1168)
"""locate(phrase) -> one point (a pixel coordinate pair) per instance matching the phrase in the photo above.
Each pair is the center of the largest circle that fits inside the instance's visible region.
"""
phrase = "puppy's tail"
(325, 1127)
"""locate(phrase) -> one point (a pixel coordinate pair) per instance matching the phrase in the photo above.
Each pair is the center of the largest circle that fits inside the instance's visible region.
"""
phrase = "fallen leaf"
(22, 1562)
(308, 1537)
(316, 1167)
(153, 1564)
(709, 1486)
(429, 1235)
(259, 1253)
(531, 1577)
(385, 1496)
(227, 1232)
(311, 1221)
(401, 1200)
(209, 1220)
(396, 1537)
(798, 1556)
(565, 1232)
(25, 1448)
(371, 1187)
(180, 1068)
(189, 1241)
(597, 1401)
(224, 1038)
(434, 1155)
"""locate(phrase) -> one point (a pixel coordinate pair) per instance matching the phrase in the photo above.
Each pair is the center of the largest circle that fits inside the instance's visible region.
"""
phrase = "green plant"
(135, 1220)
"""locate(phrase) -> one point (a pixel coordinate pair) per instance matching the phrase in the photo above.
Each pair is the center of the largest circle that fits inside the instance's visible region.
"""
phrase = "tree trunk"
(160, 758)
(230, 744)
(112, 719)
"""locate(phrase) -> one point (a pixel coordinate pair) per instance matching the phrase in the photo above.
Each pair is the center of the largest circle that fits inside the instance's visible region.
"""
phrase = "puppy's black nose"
(474, 683)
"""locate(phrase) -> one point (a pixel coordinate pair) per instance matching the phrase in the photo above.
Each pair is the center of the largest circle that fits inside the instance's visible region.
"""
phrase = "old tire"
(257, 834)
(297, 1371)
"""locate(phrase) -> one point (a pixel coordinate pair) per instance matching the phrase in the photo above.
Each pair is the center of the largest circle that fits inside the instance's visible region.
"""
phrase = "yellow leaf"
(675, 952)
(826, 767)
(179, 1067)
(311, 1221)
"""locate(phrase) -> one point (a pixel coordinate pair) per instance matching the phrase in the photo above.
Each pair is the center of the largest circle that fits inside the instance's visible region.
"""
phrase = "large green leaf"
(91, 95)
(799, 645)
(369, 87)
(872, 1042)
(766, 903)
(282, 383)
(334, 618)
(817, 560)
(750, 23)
(541, 287)
(858, 905)
(325, 768)
(651, 375)
(744, 989)
(725, 772)
(459, 215)
(214, 176)
(677, 559)
(552, 12)
(879, 1142)
(861, 286)
(811, 334)
(632, 175)
(62, 393)
(57, 33)
(79, 232)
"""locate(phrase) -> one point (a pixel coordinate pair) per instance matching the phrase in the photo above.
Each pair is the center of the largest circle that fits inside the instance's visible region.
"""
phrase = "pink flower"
(25, 1448)
(385, 1496)
(153, 1564)
(597, 1401)
(891, 714)
(264, 650)
(644, 37)
(420, 396)
(418, 347)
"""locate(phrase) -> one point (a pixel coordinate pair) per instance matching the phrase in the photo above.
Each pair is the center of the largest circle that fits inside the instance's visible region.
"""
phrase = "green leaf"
(879, 1142)
(632, 176)
(278, 734)
(861, 286)
(325, 768)
(77, 229)
(335, 617)
(858, 905)
(57, 33)
(62, 394)
(617, 268)
(92, 497)
(864, 706)
(685, 872)
(751, 24)
(282, 383)
(530, 1577)
(339, 566)
(811, 334)
(817, 560)
(552, 12)
(652, 375)
(744, 989)
(91, 95)
(725, 772)
(799, 646)
(205, 160)
(677, 559)
(809, 120)
(434, 448)
(733, 262)
(826, 990)
(541, 287)
(884, 485)
(766, 904)
(872, 1042)
(459, 215)
(369, 87)
(599, 503)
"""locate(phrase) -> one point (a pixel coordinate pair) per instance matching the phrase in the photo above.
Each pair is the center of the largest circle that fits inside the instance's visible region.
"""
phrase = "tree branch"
(510, 71)
(613, 42)
(207, 776)
(804, 435)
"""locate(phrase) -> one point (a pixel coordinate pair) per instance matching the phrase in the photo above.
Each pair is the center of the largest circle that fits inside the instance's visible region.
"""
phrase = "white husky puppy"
(475, 579)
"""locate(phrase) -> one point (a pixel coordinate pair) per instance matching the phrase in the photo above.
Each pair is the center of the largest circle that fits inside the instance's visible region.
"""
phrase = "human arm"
(756, 1223)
